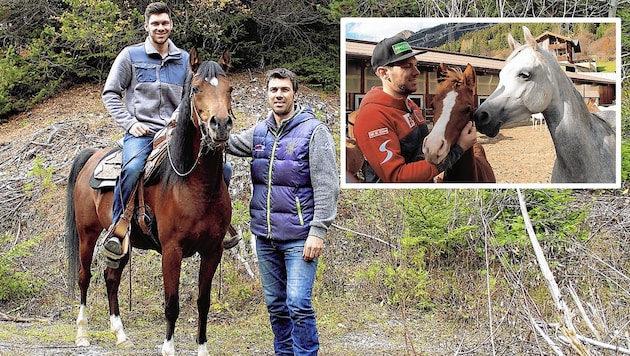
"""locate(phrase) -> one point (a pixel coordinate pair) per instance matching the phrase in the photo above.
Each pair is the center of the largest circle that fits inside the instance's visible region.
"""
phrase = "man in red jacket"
(390, 127)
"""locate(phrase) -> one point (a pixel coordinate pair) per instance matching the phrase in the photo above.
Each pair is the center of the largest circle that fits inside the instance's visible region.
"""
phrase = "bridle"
(206, 142)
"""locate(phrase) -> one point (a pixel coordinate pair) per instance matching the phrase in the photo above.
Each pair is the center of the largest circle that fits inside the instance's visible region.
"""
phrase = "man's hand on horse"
(468, 136)
(139, 129)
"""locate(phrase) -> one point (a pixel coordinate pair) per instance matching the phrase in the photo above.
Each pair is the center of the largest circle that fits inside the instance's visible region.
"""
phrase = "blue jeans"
(287, 282)
(136, 150)
(227, 173)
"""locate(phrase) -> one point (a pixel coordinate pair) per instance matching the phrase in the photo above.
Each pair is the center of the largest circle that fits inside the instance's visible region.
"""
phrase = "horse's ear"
(226, 60)
(512, 42)
(194, 60)
(442, 73)
(529, 38)
(470, 77)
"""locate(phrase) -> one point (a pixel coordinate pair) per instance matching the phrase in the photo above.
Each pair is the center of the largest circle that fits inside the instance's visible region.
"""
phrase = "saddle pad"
(108, 168)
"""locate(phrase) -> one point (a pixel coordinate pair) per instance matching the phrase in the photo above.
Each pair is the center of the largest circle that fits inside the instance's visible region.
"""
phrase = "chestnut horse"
(354, 156)
(453, 107)
(190, 204)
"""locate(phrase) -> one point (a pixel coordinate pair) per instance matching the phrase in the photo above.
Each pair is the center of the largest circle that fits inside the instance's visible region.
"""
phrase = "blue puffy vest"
(282, 203)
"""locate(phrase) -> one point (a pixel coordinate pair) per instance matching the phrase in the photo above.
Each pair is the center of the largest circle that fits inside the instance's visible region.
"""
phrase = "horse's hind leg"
(112, 281)
(206, 273)
(86, 250)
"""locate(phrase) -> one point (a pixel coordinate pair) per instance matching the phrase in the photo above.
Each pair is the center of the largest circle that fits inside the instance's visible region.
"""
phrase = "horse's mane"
(182, 156)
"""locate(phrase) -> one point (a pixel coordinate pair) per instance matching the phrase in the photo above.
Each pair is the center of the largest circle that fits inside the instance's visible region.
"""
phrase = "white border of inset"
(377, 22)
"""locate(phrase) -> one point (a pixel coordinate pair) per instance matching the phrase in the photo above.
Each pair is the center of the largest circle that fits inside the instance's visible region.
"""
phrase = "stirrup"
(112, 248)
(114, 264)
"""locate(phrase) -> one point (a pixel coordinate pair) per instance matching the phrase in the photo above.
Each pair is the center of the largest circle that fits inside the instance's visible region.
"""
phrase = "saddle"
(109, 167)
(106, 174)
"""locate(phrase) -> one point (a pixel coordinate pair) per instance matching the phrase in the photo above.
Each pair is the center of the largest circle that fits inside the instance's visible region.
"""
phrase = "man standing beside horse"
(390, 128)
(296, 185)
(153, 76)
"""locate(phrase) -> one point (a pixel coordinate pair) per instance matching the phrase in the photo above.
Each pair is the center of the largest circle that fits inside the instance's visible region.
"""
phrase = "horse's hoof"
(202, 350)
(82, 342)
(125, 344)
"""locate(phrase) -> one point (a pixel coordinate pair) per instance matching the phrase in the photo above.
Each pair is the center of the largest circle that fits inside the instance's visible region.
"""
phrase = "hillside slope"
(358, 313)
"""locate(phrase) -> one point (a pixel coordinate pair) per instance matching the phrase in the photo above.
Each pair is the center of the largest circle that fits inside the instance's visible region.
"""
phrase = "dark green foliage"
(17, 282)
(318, 72)
(445, 227)
(81, 40)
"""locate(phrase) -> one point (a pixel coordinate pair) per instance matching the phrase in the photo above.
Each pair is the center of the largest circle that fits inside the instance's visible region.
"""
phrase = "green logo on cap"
(401, 47)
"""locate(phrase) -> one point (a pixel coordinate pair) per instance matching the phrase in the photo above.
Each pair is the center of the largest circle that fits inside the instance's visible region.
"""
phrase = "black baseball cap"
(391, 50)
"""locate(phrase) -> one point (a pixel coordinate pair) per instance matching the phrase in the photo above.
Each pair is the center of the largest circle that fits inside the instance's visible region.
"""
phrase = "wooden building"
(359, 76)
(562, 47)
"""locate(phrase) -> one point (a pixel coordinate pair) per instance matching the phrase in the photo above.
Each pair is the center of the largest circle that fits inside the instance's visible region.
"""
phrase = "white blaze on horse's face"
(212, 105)
(435, 146)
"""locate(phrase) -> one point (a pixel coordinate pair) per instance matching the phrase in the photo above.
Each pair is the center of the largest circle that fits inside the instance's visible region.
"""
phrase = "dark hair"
(282, 73)
(156, 8)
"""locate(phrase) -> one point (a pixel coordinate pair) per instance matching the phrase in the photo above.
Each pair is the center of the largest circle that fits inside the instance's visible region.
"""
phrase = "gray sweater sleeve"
(324, 179)
(117, 82)
(241, 144)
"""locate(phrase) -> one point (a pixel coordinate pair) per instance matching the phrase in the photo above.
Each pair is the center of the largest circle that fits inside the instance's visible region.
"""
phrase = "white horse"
(538, 119)
(532, 81)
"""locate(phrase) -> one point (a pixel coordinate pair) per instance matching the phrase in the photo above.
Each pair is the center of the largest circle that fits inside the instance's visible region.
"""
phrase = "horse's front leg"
(171, 269)
(112, 281)
(206, 272)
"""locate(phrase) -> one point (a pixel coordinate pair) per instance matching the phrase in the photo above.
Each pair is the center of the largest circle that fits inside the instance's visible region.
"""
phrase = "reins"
(205, 142)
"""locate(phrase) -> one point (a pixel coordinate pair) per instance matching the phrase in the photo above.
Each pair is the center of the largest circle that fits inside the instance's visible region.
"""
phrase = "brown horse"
(453, 107)
(591, 105)
(191, 205)
(354, 156)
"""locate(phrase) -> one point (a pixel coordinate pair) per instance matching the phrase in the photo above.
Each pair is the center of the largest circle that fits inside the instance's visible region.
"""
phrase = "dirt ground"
(521, 154)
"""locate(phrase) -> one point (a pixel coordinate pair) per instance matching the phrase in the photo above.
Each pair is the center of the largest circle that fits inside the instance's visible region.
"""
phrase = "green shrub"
(318, 72)
(17, 282)
(443, 228)
(42, 174)
(14, 74)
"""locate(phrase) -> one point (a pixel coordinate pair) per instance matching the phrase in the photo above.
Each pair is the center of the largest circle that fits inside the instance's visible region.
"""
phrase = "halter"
(207, 144)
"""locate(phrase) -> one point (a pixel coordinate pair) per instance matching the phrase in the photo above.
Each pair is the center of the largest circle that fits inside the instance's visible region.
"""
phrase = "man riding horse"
(152, 75)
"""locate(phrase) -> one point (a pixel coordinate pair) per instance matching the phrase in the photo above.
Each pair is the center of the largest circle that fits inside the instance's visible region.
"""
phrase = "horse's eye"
(195, 89)
(524, 75)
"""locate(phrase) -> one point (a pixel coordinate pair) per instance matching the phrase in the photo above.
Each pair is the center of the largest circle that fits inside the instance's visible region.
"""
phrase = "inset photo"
(481, 103)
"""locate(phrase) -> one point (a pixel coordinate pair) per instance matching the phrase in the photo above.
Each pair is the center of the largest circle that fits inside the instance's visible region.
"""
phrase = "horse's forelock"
(539, 52)
(454, 75)
(210, 69)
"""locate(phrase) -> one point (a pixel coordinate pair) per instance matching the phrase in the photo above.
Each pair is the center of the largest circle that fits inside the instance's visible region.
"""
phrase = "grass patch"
(607, 67)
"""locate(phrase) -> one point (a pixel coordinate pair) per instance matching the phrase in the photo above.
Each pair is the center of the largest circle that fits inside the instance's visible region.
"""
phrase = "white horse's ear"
(512, 42)
(529, 39)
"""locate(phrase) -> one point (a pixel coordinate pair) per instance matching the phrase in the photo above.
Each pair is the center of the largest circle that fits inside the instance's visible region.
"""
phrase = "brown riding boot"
(111, 247)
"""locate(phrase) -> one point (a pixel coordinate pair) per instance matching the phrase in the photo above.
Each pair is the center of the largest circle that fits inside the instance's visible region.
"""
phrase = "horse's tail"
(72, 236)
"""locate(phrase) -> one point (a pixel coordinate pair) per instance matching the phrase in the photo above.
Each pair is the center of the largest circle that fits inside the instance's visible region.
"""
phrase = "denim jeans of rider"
(287, 282)
(136, 150)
